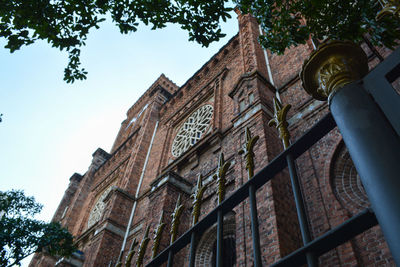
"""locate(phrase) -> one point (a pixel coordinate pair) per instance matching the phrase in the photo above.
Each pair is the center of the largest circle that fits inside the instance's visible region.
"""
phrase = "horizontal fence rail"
(312, 136)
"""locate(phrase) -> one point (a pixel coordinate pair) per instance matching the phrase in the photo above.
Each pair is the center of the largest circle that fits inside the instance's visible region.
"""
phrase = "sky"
(50, 128)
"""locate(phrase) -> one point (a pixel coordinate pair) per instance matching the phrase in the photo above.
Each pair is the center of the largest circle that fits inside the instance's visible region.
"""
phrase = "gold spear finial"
(142, 247)
(197, 199)
(279, 121)
(248, 151)
(157, 235)
(131, 253)
(389, 8)
(220, 176)
(176, 215)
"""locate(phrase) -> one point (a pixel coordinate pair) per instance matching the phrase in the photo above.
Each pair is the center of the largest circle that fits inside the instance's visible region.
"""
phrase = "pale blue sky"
(50, 128)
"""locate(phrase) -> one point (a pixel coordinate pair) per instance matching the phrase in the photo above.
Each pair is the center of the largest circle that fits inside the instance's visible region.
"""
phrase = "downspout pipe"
(137, 193)
(271, 79)
(267, 61)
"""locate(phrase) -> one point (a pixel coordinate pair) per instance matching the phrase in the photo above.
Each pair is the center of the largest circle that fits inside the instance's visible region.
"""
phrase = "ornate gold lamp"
(389, 8)
(331, 67)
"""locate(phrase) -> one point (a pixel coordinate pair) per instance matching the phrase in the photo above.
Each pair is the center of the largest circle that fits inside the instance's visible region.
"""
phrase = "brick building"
(172, 134)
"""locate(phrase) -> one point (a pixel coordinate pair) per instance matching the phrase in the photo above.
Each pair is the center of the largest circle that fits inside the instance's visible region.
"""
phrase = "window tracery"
(98, 208)
(192, 130)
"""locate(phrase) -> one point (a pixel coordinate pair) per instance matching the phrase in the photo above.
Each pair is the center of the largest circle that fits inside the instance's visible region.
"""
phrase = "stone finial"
(220, 176)
(248, 151)
(142, 247)
(197, 199)
(176, 217)
(332, 66)
(157, 235)
(131, 253)
(280, 122)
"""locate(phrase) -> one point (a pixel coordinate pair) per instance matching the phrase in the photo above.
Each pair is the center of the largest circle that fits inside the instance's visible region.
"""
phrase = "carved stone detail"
(98, 208)
(192, 130)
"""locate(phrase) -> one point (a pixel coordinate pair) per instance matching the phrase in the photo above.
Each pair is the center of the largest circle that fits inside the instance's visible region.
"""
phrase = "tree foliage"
(22, 235)
(286, 22)
(65, 24)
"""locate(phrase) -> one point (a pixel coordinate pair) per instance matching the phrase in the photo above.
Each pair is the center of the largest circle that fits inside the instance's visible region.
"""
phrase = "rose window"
(98, 208)
(192, 130)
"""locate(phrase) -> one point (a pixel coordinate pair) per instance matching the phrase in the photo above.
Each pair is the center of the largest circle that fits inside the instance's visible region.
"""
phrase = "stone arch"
(204, 250)
(345, 181)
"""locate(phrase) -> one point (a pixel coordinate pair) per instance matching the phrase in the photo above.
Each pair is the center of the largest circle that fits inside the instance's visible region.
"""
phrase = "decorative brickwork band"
(176, 218)
(248, 151)
(131, 253)
(220, 177)
(197, 199)
(280, 122)
(331, 67)
(142, 247)
(157, 235)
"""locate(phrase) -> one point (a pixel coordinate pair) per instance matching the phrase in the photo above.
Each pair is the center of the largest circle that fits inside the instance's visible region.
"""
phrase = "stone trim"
(173, 179)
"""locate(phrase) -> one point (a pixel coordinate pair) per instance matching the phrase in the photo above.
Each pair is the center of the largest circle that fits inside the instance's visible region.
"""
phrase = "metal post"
(192, 249)
(375, 150)
(220, 239)
(254, 227)
(170, 258)
(312, 260)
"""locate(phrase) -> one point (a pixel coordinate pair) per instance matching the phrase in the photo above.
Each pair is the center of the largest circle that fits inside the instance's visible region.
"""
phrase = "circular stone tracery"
(192, 130)
(98, 208)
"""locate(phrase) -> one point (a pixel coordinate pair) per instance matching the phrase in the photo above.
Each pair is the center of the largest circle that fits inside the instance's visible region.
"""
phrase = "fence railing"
(318, 246)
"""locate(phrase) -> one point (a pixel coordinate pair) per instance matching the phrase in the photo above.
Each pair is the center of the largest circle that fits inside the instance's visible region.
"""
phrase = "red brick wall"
(229, 77)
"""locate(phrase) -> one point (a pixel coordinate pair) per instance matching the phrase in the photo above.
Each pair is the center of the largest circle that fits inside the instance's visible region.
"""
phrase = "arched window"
(207, 245)
(346, 183)
(228, 253)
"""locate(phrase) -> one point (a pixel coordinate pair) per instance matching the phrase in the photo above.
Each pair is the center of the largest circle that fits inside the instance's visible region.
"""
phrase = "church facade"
(173, 136)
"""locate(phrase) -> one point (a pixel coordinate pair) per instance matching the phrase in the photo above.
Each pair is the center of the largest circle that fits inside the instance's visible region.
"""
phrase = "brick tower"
(172, 134)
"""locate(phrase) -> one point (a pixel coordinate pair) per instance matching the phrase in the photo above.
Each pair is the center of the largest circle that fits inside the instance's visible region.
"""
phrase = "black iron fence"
(388, 101)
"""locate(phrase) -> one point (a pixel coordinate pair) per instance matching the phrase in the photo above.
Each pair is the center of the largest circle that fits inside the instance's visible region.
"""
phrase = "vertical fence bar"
(312, 260)
(170, 258)
(280, 122)
(254, 227)
(192, 249)
(248, 153)
(220, 239)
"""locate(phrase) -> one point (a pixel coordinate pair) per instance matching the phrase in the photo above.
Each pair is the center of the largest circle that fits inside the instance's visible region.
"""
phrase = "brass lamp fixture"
(389, 8)
(331, 67)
